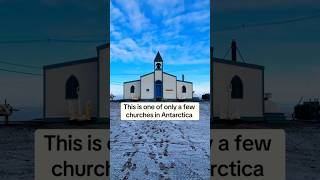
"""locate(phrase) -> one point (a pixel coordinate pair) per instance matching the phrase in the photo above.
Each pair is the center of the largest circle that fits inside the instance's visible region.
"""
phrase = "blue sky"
(178, 29)
(289, 52)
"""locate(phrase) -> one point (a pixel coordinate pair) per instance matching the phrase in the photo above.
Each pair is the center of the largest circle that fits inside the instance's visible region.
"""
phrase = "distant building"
(78, 89)
(238, 89)
(158, 85)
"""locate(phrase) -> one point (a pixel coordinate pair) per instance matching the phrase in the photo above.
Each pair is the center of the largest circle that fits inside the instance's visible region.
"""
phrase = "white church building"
(78, 90)
(237, 89)
(158, 86)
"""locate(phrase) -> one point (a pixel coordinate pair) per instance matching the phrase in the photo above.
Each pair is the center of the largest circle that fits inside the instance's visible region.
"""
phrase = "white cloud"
(166, 8)
(114, 32)
(191, 17)
(127, 50)
(116, 14)
(137, 20)
(171, 40)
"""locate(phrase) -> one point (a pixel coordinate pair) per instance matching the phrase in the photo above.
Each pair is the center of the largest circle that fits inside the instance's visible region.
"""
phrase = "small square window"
(147, 90)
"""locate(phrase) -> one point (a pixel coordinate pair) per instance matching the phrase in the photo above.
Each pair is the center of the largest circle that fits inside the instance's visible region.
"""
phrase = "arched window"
(237, 88)
(132, 88)
(184, 89)
(72, 88)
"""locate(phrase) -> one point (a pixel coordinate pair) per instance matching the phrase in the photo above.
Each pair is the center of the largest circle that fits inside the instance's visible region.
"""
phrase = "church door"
(158, 91)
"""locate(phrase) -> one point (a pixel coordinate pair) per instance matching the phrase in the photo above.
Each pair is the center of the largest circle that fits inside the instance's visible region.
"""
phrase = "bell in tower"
(158, 66)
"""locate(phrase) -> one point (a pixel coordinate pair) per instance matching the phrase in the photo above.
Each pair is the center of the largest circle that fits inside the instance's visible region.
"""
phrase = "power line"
(20, 72)
(52, 40)
(272, 23)
(77, 41)
(20, 65)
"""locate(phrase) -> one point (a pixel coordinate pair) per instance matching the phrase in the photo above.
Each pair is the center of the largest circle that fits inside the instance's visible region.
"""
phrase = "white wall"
(127, 93)
(252, 103)
(104, 84)
(56, 105)
(189, 88)
(158, 75)
(147, 82)
(169, 87)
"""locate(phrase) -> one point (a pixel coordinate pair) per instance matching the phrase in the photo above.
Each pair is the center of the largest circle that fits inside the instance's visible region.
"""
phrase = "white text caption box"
(174, 111)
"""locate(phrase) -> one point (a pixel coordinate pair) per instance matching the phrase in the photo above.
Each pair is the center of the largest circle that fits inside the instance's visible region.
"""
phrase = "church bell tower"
(158, 67)
(158, 75)
(158, 62)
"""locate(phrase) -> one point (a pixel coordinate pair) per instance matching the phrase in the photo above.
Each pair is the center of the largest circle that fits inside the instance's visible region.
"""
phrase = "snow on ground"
(303, 147)
(160, 149)
(169, 155)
